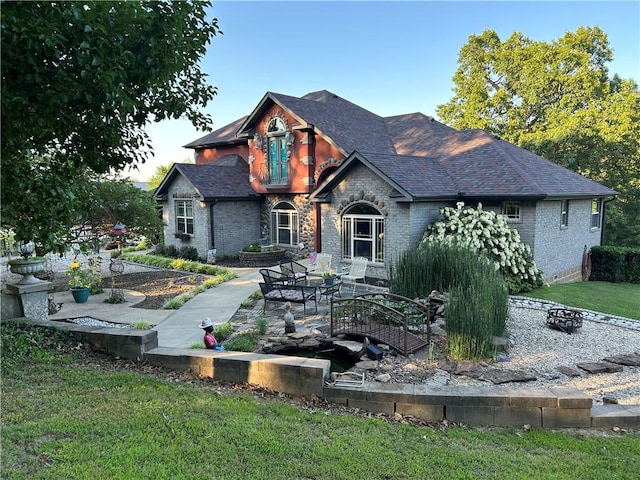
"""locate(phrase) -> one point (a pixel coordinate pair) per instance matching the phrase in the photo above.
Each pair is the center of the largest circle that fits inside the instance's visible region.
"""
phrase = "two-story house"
(319, 173)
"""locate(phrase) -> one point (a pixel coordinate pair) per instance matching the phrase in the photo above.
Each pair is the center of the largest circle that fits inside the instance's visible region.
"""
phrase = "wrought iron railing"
(392, 319)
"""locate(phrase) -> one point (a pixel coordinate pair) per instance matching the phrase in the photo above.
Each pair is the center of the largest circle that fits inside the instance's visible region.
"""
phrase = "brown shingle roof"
(421, 156)
(225, 179)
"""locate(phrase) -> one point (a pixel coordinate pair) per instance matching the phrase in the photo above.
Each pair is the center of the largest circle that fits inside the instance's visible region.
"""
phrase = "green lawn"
(621, 299)
(65, 418)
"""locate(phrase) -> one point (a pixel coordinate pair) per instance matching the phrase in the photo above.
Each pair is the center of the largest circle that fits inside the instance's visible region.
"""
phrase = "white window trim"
(376, 238)
(293, 220)
(564, 214)
(598, 204)
(513, 217)
(185, 217)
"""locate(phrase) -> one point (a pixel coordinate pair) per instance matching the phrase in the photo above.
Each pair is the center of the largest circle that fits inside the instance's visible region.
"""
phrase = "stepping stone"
(498, 376)
(628, 359)
(599, 367)
(568, 371)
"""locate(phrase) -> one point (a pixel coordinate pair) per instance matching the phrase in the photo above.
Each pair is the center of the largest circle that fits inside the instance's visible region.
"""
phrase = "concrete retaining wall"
(545, 408)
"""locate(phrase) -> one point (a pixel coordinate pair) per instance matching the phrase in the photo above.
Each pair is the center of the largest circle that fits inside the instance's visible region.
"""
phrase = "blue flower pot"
(80, 295)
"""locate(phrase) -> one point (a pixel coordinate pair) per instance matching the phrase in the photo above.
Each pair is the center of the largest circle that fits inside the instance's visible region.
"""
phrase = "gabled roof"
(225, 179)
(223, 136)
(421, 157)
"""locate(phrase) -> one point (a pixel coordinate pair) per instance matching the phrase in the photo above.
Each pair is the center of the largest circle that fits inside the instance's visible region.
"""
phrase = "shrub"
(488, 233)
(254, 247)
(615, 264)
(244, 342)
(189, 253)
(223, 331)
(170, 251)
(261, 325)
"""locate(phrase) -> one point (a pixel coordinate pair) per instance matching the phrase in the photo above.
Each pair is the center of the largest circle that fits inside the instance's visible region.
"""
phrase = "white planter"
(27, 268)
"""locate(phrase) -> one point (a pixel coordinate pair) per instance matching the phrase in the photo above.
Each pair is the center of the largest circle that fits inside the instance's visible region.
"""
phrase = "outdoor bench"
(283, 292)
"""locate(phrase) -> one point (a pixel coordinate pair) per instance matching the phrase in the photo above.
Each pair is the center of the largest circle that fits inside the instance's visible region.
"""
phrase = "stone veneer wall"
(305, 218)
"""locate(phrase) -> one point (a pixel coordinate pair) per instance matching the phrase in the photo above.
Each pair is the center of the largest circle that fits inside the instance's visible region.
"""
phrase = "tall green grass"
(476, 308)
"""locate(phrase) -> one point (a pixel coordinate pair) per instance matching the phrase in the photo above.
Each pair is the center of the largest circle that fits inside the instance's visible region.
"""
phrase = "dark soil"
(158, 286)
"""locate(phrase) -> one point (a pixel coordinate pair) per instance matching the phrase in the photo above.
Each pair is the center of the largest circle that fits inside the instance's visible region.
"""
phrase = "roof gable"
(224, 179)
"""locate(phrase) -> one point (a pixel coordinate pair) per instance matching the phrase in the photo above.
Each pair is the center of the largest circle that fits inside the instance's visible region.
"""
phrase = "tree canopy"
(80, 80)
(558, 100)
(161, 172)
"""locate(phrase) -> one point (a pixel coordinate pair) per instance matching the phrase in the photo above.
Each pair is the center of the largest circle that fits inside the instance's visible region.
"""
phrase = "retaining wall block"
(566, 417)
(571, 398)
(428, 413)
(470, 414)
(509, 416)
(625, 416)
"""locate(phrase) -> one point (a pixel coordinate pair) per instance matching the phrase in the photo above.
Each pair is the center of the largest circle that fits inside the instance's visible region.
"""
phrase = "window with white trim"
(363, 233)
(564, 213)
(277, 155)
(511, 210)
(284, 224)
(596, 207)
(184, 216)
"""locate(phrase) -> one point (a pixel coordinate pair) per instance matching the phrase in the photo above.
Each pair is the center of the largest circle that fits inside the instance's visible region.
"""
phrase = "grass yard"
(620, 299)
(64, 417)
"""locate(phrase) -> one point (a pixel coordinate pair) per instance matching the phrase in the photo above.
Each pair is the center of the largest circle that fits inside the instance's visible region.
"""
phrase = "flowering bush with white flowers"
(488, 233)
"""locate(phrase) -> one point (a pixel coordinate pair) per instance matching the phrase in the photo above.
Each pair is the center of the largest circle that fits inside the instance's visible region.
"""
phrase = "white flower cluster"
(487, 232)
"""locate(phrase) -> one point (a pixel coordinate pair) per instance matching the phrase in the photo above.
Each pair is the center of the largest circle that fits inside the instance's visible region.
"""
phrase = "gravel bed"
(540, 350)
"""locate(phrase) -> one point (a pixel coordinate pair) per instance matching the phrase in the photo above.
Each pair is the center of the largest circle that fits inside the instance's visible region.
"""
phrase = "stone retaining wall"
(546, 408)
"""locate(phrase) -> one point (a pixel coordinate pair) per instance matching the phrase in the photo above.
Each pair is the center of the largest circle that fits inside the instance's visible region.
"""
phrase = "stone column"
(33, 299)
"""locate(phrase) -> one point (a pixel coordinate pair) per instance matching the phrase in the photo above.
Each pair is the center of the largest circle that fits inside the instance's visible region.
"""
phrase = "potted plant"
(329, 277)
(80, 279)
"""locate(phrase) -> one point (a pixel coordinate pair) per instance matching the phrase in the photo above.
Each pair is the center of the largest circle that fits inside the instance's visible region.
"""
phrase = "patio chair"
(322, 264)
(357, 272)
(294, 271)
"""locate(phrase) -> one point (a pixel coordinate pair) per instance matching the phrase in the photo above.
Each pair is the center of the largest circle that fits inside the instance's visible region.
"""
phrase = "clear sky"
(389, 57)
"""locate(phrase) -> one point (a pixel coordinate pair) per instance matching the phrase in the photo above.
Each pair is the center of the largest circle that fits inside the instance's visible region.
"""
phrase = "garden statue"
(289, 324)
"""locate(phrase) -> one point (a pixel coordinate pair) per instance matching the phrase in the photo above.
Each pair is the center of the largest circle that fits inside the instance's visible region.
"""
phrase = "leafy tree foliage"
(161, 172)
(557, 100)
(120, 200)
(79, 82)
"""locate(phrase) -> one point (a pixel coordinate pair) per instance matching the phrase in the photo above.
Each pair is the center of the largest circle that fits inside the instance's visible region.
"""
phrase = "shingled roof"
(225, 179)
(420, 156)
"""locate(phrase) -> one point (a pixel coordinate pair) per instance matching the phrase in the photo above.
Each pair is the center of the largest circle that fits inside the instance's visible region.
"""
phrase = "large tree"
(557, 100)
(80, 80)
(161, 172)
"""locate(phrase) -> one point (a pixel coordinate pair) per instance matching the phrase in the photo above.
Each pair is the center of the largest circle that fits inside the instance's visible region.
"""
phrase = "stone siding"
(306, 222)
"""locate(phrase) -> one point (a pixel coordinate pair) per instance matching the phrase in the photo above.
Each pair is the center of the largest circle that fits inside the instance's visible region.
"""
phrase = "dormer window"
(277, 152)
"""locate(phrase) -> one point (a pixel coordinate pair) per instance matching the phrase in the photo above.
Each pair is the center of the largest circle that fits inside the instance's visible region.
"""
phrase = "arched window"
(363, 233)
(284, 224)
(278, 162)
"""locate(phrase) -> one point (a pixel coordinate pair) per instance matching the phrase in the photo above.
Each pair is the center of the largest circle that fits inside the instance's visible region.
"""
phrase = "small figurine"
(210, 341)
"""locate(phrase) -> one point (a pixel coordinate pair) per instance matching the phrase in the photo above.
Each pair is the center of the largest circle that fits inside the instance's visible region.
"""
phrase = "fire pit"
(564, 319)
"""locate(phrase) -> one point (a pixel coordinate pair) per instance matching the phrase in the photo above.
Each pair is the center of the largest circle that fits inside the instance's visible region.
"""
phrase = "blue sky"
(386, 56)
